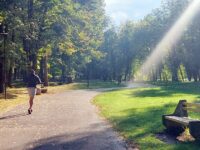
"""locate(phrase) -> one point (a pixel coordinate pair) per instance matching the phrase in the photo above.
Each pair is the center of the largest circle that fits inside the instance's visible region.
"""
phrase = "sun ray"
(171, 38)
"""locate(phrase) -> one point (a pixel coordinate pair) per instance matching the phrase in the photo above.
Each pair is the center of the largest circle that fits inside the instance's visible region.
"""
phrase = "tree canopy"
(73, 39)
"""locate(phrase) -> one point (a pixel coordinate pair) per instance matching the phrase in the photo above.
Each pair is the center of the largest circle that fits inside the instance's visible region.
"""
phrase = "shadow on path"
(91, 139)
(13, 116)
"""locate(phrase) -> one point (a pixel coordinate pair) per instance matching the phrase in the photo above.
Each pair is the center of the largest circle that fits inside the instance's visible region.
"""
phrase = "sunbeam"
(171, 38)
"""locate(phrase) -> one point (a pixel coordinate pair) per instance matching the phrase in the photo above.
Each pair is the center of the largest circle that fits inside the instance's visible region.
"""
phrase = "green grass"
(15, 96)
(136, 113)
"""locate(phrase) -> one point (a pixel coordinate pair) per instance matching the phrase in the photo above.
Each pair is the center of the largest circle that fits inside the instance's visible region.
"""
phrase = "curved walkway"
(64, 121)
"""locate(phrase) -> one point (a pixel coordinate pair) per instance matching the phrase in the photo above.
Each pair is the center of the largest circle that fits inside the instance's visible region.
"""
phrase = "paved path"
(64, 121)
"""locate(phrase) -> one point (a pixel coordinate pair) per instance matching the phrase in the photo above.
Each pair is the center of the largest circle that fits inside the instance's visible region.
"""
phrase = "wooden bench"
(177, 122)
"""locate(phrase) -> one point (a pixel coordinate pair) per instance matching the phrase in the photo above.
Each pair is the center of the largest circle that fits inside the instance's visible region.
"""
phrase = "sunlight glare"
(171, 38)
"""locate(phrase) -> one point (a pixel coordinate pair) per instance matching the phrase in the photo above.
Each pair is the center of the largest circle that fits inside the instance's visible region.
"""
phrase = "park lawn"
(17, 96)
(136, 113)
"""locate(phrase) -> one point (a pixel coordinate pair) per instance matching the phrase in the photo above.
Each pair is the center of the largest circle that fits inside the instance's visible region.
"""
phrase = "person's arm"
(38, 79)
(40, 82)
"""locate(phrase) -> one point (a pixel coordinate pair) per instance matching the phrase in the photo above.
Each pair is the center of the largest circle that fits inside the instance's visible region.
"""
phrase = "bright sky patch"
(122, 10)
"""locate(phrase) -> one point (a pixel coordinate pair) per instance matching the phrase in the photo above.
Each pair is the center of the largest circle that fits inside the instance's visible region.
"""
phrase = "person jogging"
(32, 81)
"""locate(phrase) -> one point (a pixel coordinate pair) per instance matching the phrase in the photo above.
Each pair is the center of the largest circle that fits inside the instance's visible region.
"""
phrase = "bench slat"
(182, 120)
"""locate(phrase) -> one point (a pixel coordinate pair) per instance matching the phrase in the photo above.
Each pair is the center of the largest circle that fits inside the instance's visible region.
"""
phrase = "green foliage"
(1, 18)
(64, 31)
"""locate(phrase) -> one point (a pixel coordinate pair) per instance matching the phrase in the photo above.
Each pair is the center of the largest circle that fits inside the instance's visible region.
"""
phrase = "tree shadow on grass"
(13, 94)
(9, 96)
(167, 91)
(138, 124)
(149, 120)
(152, 93)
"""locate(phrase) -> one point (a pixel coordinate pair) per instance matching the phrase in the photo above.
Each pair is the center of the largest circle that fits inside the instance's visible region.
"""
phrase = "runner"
(33, 80)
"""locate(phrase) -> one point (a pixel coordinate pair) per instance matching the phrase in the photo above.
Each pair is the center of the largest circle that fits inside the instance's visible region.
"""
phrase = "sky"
(122, 10)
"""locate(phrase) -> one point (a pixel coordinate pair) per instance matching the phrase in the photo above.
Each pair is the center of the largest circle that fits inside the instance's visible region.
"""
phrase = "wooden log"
(38, 91)
(44, 90)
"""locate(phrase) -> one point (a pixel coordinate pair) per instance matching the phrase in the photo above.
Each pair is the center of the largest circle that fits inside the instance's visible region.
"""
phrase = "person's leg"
(32, 92)
(31, 102)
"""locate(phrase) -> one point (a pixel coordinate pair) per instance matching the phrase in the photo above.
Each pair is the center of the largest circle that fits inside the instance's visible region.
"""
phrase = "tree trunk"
(127, 72)
(165, 77)
(42, 69)
(174, 70)
(15, 74)
(119, 79)
(160, 76)
(63, 77)
(195, 75)
(1, 78)
(182, 76)
(189, 74)
(46, 81)
(30, 9)
(10, 74)
(24, 75)
(34, 61)
(88, 75)
(174, 76)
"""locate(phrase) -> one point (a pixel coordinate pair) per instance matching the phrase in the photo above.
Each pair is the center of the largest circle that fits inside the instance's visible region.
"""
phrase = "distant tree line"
(128, 46)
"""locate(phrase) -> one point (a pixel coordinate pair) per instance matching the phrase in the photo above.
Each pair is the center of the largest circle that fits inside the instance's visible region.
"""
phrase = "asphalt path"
(62, 121)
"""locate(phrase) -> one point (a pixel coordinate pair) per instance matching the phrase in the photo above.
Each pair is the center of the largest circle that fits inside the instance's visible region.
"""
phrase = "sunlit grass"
(15, 96)
(136, 113)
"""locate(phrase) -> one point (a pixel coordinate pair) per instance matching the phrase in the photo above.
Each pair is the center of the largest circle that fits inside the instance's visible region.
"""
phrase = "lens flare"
(171, 38)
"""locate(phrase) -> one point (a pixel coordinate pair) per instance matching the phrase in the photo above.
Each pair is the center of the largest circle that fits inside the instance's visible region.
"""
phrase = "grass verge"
(136, 113)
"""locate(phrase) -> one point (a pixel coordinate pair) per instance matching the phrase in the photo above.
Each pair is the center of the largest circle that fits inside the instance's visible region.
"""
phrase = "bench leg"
(173, 127)
(194, 127)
